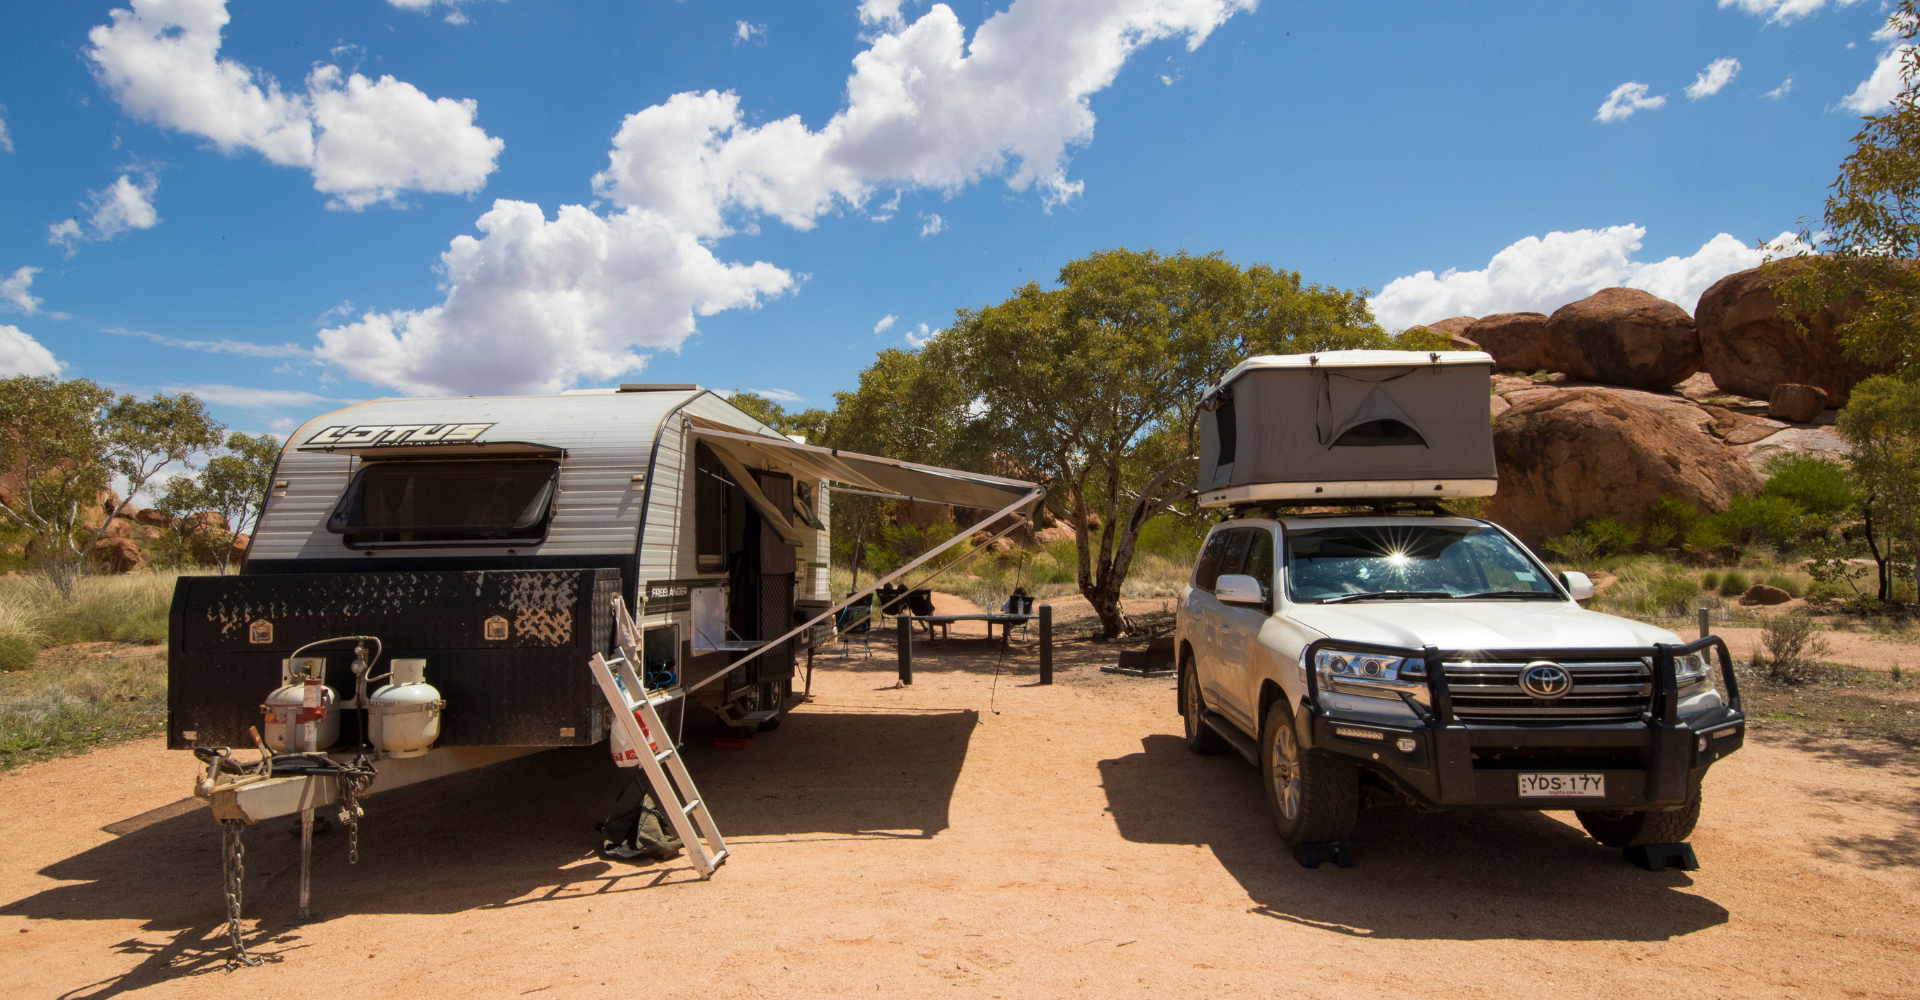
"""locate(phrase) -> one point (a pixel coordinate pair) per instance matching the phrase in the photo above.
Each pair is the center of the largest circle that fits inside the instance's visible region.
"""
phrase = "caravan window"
(419, 502)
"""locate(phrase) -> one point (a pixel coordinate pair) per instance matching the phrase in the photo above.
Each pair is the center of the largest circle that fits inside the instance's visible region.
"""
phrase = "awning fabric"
(883, 475)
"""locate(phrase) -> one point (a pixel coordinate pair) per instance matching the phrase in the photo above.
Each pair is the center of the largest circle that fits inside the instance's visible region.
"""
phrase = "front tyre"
(1200, 737)
(1314, 795)
(1632, 829)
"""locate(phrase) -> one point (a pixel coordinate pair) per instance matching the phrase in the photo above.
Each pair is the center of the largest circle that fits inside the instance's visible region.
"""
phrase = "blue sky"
(287, 205)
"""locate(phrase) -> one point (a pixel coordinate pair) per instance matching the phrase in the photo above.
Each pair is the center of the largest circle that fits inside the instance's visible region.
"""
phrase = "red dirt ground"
(973, 833)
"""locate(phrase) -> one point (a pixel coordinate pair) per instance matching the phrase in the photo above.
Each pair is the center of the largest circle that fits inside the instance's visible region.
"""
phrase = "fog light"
(1703, 744)
(1358, 734)
(1406, 745)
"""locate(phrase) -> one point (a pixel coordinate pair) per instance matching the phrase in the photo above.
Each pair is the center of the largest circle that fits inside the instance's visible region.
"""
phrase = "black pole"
(905, 642)
(1046, 644)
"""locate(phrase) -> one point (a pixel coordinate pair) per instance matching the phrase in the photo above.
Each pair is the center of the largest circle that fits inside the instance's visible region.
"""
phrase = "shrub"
(1709, 580)
(1817, 485)
(1820, 593)
(1794, 649)
(17, 652)
(1786, 583)
(1669, 522)
(1674, 595)
(1734, 583)
(1763, 519)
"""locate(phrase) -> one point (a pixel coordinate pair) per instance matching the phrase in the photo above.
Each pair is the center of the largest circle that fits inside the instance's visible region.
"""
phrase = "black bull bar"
(1440, 769)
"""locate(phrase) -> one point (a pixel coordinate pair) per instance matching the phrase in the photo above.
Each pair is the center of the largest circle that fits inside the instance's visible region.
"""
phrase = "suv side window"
(1224, 554)
(1260, 560)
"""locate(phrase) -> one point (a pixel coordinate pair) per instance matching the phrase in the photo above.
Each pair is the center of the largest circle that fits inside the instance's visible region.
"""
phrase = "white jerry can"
(404, 715)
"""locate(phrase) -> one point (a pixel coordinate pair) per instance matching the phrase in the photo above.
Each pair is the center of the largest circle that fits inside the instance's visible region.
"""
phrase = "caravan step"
(764, 715)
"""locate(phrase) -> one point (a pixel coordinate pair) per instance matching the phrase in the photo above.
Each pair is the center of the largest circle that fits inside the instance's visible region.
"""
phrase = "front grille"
(1613, 758)
(1603, 691)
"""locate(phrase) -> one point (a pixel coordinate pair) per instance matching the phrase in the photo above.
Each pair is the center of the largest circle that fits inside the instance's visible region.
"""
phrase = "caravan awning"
(882, 475)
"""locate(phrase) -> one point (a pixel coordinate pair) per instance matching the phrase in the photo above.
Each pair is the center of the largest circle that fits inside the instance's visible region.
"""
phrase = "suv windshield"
(1430, 561)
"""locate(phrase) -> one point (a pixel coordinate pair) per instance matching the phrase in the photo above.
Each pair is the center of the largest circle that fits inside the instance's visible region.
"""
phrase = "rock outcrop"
(1760, 593)
(1566, 455)
(1622, 336)
(117, 555)
(1750, 345)
(153, 518)
(1512, 338)
(1454, 328)
(1796, 403)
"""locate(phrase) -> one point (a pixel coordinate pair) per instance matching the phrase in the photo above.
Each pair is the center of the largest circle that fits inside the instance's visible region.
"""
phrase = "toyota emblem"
(1546, 681)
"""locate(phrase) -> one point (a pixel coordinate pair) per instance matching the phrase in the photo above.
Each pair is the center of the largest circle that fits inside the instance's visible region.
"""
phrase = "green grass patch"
(76, 699)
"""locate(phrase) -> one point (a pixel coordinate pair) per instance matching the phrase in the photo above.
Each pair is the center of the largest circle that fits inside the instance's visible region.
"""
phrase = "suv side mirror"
(1239, 588)
(1577, 584)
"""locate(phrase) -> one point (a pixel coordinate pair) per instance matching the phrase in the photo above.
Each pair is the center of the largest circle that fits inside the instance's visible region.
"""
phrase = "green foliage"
(1710, 580)
(1733, 583)
(1669, 523)
(1591, 541)
(1882, 424)
(65, 440)
(1750, 520)
(17, 652)
(1862, 283)
(1093, 386)
(1794, 649)
(1818, 486)
(1649, 588)
(1786, 583)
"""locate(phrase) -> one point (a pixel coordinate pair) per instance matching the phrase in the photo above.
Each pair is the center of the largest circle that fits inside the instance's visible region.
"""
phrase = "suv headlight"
(1369, 674)
(1690, 669)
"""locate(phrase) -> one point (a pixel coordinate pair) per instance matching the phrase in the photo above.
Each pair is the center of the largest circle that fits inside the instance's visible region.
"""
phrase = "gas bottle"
(290, 706)
(404, 715)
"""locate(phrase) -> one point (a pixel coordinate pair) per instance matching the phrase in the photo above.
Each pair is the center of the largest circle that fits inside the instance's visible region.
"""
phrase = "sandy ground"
(977, 833)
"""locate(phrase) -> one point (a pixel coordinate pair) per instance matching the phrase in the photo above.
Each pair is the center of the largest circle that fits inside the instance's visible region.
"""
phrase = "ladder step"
(664, 754)
(691, 806)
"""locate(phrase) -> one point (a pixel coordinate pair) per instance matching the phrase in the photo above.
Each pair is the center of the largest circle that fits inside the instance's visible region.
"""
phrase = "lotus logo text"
(1546, 680)
(399, 435)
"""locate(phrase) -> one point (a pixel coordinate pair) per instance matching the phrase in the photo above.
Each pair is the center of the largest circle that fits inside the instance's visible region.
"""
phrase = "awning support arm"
(1036, 494)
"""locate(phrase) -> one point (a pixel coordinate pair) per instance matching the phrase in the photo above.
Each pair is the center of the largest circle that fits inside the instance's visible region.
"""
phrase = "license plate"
(1563, 786)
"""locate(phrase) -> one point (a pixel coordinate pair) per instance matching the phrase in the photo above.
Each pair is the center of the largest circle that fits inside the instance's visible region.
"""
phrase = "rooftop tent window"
(421, 502)
(1379, 432)
(1225, 427)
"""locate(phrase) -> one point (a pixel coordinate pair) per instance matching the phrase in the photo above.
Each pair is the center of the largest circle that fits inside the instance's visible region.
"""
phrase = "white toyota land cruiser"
(1435, 657)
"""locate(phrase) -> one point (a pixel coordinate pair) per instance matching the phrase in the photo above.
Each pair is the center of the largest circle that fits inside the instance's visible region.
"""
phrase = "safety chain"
(233, 851)
(353, 784)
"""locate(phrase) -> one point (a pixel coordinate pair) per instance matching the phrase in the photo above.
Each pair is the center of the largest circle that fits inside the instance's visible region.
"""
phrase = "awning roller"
(886, 475)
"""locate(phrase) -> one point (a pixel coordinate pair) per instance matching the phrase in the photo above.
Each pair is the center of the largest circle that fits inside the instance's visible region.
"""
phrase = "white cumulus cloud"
(535, 305)
(363, 140)
(15, 290)
(23, 355)
(1625, 100)
(925, 108)
(124, 205)
(885, 324)
(933, 225)
(1542, 274)
(745, 31)
(1714, 78)
(918, 339)
(1878, 90)
(6, 138)
(1785, 88)
(454, 14)
(1783, 11)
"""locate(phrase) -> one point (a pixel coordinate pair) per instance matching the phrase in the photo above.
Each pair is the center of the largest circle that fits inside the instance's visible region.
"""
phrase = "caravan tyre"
(1314, 795)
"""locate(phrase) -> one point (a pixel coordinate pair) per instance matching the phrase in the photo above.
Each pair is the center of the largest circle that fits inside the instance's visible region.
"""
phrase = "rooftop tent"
(1348, 425)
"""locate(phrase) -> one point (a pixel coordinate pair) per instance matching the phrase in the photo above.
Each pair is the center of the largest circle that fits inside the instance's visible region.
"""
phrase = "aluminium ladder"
(638, 719)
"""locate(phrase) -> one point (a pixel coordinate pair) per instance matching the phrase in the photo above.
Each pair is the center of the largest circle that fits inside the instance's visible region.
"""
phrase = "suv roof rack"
(1355, 508)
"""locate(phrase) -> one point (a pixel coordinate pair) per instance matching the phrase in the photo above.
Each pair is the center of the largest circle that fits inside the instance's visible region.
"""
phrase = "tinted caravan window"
(429, 502)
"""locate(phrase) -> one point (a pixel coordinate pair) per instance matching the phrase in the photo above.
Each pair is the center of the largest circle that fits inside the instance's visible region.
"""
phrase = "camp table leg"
(905, 641)
(1046, 644)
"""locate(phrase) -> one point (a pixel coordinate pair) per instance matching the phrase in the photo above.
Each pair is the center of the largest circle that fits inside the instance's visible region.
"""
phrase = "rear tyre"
(1200, 737)
(1314, 795)
(1632, 829)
